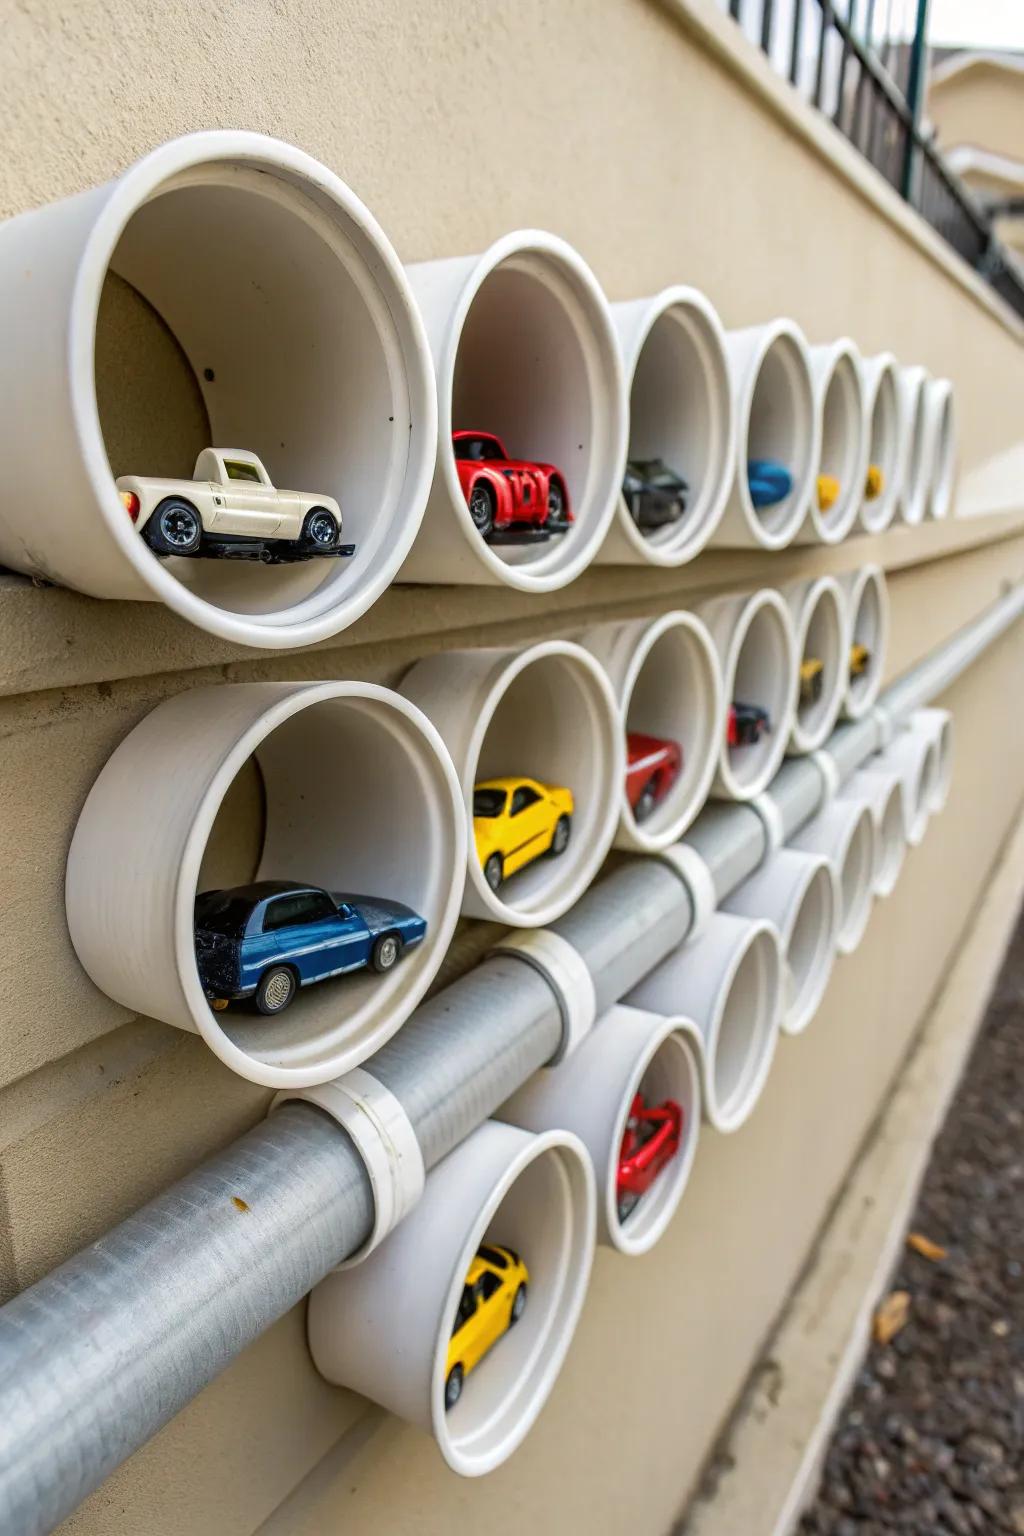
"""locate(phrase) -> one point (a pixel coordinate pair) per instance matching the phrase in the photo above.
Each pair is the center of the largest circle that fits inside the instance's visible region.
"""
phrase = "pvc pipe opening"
(295, 338)
(675, 695)
(340, 786)
(756, 651)
(743, 1041)
(915, 480)
(670, 1074)
(868, 608)
(883, 446)
(943, 473)
(936, 726)
(778, 427)
(856, 879)
(891, 842)
(525, 349)
(680, 411)
(809, 951)
(820, 637)
(547, 714)
(842, 444)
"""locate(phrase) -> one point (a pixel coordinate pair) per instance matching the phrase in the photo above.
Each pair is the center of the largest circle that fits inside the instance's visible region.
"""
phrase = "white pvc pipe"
(546, 713)
(914, 472)
(939, 451)
(753, 636)
(776, 419)
(915, 759)
(305, 346)
(882, 795)
(936, 726)
(383, 1328)
(590, 1093)
(839, 401)
(524, 347)
(728, 981)
(358, 795)
(867, 607)
(882, 431)
(666, 678)
(844, 833)
(820, 625)
(797, 893)
(680, 411)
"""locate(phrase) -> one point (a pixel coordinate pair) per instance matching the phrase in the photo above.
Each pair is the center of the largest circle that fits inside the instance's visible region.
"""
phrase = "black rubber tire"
(518, 1305)
(175, 527)
(481, 508)
(318, 518)
(646, 802)
(271, 987)
(556, 501)
(453, 1387)
(560, 836)
(386, 952)
(494, 871)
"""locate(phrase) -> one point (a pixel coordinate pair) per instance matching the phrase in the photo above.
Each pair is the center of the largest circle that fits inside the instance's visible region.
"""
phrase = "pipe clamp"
(566, 973)
(692, 869)
(770, 817)
(383, 1136)
(829, 770)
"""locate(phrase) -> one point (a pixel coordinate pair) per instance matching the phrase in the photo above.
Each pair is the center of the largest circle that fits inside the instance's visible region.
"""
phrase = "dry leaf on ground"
(891, 1316)
(925, 1247)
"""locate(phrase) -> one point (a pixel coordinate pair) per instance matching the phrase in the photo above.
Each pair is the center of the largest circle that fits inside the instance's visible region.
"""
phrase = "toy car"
(874, 485)
(230, 511)
(493, 1300)
(746, 724)
(828, 492)
(860, 659)
(266, 940)
(509, 500)
(769, 482)
(517, 820)
(812, 678)
(654, 494)
(649, 1143)
(652, 767)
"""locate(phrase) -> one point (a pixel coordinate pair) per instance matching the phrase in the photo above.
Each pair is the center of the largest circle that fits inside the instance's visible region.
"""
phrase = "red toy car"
(509, 500)
(746, 725)
(650, 1142)
(652, 767)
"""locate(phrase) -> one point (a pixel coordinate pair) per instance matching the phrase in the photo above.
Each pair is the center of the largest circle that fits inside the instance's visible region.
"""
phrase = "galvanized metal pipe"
(100, 1353)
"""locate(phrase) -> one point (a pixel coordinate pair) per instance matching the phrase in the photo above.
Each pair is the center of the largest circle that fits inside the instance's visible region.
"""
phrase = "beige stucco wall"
(663, 159)
(982, 106)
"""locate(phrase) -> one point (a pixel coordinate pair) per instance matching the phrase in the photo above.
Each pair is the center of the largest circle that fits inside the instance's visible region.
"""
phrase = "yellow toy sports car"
(812, 677)
(874, 484)
(515, 821)
(492, 1301)
(859, 658)
(828, 492)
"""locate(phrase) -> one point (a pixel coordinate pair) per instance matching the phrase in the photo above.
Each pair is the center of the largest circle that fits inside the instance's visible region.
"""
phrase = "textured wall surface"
(605, 121)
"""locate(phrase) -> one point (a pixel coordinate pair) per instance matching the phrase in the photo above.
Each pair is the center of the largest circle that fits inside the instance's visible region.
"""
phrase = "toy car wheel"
(481, 508)
(560, 839)
(276, 989)
(556, 502)
(647, 801)
(518, 1305)
(494, 871)
(453, 1388)
(175, 528)
(386, 951)
(320, 530)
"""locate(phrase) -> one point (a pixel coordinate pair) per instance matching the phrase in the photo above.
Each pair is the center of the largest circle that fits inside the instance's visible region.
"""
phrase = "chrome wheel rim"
(480, 507)
(388, 952)
(278, 990)
(178, 527)
(554, 501)
(321, 528)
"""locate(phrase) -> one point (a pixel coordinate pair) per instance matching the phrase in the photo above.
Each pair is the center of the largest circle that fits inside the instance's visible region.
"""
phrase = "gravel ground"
(931, 1440)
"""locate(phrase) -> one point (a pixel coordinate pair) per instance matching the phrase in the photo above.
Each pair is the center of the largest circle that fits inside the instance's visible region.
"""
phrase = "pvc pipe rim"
(727, 781)
(807, 735)
(915, 477)
(313, 619)
(881, 406)
(838, 365)
(940, 405)
(762, 949)
(781, 527)
(867, 586)
(706, 333)
(550, 571)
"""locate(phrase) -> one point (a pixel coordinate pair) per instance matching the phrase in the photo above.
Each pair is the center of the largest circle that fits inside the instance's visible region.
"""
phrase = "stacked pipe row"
(348, 786)
(305, 339)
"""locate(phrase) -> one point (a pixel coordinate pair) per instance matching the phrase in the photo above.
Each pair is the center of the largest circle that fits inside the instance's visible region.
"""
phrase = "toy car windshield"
(488, 802)
(478, 448)
(221, 912)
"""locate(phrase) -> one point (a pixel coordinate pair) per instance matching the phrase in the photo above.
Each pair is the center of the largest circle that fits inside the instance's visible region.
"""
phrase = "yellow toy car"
(517, 820)
(828, 492)
(492, 1301)
(874, 485)
(860, 656)
(812, 672)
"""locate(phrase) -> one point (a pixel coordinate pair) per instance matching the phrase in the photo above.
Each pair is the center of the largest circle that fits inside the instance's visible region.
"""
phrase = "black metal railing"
(834, 61)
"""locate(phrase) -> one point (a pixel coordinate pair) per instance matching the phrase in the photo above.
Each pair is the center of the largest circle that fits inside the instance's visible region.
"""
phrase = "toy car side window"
(289, 911)
(522, 798)
(488, 1285)
(235, 469)
(493, 1256)
(467, 1306)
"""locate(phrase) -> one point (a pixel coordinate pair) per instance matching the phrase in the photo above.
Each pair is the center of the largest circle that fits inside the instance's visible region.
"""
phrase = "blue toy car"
(770, 482)
(265, 941)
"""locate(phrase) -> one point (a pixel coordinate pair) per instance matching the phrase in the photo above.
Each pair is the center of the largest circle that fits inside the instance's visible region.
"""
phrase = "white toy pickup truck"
(230, 510)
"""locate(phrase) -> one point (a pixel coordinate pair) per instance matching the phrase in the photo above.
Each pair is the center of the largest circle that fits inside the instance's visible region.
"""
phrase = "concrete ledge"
(781, 1431)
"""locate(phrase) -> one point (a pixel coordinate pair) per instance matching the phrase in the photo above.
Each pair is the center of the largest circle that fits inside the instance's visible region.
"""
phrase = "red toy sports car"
(652, 767)
(509, 500)
(650, 1142)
